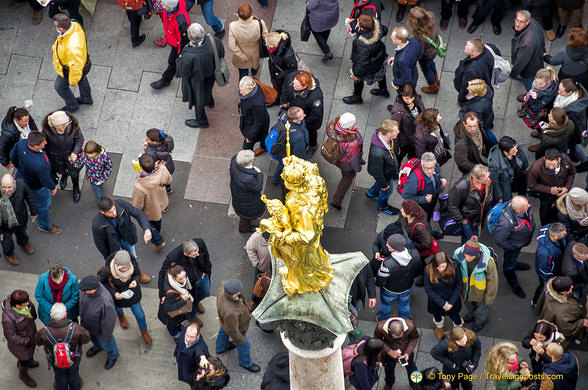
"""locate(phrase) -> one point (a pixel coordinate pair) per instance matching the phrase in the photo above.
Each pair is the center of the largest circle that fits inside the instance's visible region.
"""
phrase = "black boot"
(63, 181)
(513, 282)
(356, 97)
(76, 189)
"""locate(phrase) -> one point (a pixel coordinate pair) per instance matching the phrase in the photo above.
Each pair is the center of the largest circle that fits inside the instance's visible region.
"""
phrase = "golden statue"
(296, 228)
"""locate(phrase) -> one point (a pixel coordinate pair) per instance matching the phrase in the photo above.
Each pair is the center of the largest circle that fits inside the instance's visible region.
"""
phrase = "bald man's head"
(555, 351)
(519, 204)
(8, 183)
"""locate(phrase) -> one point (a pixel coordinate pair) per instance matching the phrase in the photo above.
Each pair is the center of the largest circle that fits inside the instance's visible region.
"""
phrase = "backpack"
(130, 5)
(494, 216)
(331, 151)
(349, 353)
(441, 47)
(275, 142)
(501, 70)
(447, 224)
(61, 356)
(221, 70)
(405, 171)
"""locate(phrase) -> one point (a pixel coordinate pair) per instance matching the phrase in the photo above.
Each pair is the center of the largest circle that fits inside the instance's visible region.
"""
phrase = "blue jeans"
(201, 291)
(386, 300)
(527, 82)
(262, 2)
(109, 346)
(222, 343)
(245, 72)
(43, 201)
(209, 17)
(63, 90)
(429, 69)
(138, 312)
(383, 196)
(491, 137)
(510, 259)
(128, 247)
(156, 238)
(467, 231)
(67, 379)
(97, 190)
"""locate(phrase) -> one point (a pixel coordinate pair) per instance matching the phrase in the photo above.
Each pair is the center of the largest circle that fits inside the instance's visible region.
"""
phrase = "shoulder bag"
(305, 28)
(221, 70)
(263, 51)
(187, 308)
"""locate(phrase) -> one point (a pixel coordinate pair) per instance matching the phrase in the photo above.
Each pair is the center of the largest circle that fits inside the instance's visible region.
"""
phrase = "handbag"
(270, 94)
(305, 28)
(434, 245)
(187, 308)
(263, 51)
(441, 47)
(261, 285)
(221, 70)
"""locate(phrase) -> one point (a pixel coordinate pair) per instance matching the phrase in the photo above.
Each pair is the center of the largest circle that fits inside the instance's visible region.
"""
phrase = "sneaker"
(367, 193)
(390, 210)
(160, 42)
(53, 229)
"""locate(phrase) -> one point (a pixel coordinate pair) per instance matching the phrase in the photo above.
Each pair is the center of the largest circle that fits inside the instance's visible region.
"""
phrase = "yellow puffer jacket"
(70, 50)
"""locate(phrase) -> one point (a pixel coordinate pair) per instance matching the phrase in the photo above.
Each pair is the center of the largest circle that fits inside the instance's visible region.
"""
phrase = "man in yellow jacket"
(69, 59)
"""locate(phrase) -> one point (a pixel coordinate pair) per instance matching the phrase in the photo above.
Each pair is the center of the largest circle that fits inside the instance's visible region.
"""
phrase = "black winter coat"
(194, 267)
(569, 268)
(310, 100)
(479, 67)
(282, 61)
(173, 301)
(368, 53)
(160, 153)
(9, 137)
(527, 51)
(364, 280)
(107, 236)
(442, 291)
(514, 232)
(22, 194)
(60, 146)
(255, 120)
(481, 105)
(246, 186)
(379, 244)
(401, 277)
(466, 202)
(466, 153)
(449, 359)
(382, 163)
(114, 285)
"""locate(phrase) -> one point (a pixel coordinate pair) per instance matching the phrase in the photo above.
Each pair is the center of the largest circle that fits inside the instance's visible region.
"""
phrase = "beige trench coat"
(244, 42)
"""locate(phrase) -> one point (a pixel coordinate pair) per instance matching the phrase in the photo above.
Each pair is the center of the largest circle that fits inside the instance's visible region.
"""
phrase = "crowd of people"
(405, 153)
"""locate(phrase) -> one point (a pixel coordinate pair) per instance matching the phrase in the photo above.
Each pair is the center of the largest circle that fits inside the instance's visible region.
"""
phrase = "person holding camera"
(191, 351)
(543, 333)
(400, 337)
(212, 375)
(460, 354)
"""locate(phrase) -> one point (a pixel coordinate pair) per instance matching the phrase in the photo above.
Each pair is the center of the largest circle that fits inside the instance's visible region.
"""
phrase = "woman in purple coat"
(323, 16)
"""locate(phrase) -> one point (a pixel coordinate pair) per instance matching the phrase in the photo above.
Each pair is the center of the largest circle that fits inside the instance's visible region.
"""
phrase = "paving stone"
(115, 119)
(222, 139)
(9, 22)
(18, 86)
(204, 169)
(34, 40)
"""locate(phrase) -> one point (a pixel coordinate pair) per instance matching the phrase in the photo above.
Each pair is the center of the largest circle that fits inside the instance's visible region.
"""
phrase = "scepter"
(287, 139)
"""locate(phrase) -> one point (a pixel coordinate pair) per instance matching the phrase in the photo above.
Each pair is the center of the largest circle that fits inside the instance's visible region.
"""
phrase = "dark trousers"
(135, 21)
(465, 383)
(508, 267)
(538, 290)
(344, 184)
(245, 72)
(67, 379)
(22, 238)
(462, 9)
(390, 365)
(407, 151)
(156, 238)
(33, 3)
(72, 7)
(358, 86)
(467, 231)
(170, 72)
(204, 98)
(547, 212)
(321, 38)
(483, 9)
(63, 90)
(244, 225)
(544, 11)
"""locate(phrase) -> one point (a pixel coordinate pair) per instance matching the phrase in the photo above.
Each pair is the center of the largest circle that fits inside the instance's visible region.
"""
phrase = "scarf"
(564, 101)
(181, 288)
(24, 131)
(478, 140)
(57, 289)
(535, 88)
(118, 274)
(7, 215)
(577, 213)
(514, 365)
(25, 311)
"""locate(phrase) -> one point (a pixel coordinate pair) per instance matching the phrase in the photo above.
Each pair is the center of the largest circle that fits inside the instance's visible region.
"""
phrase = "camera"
(466, 366)
(203, 371)
(403, 362)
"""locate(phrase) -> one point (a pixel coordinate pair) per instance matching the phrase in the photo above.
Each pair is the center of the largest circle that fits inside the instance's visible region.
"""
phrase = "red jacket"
(176, 30)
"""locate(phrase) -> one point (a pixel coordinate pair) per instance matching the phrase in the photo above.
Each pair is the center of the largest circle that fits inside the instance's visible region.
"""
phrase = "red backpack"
(130, 5)
(349, 353)
(406, 169)
(61, 356)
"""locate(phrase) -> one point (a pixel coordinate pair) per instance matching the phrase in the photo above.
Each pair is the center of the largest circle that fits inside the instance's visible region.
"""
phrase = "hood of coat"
(403, 258)
(561, 133)
(7, 308)
(71, 128)
(387, 323)
(460, 131)
(580, 54)
(377, 141)
(579, 105)
(345, 135)
(371, 37)
(567, 365)
(560, 203)
(154, 180)
(283, 46)
(554, 294)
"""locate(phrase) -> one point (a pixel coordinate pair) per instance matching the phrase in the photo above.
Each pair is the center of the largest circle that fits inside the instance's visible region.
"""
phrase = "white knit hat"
(347, 120)
(170, 3)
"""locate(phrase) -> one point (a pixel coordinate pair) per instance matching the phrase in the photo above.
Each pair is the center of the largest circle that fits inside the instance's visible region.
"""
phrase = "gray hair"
(196, 33)
(189, 246)
(245, 158)
(525, 13)
(428, 157)
(247, 83)
(58, 311)
(557, 228)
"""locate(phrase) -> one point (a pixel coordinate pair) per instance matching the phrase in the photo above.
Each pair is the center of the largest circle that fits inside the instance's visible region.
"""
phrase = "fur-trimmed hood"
(371, 37)
(554, 294)
(560, 203)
